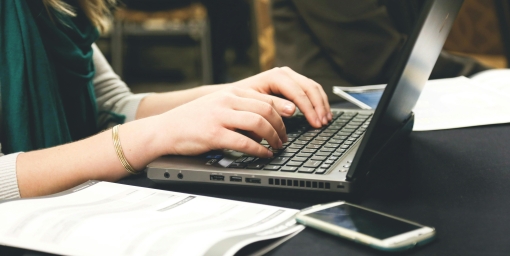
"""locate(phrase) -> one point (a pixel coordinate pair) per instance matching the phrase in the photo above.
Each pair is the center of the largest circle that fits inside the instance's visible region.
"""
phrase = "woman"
(57, 91)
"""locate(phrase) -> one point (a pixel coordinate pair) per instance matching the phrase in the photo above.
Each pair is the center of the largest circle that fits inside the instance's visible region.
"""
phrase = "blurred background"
(164, 45)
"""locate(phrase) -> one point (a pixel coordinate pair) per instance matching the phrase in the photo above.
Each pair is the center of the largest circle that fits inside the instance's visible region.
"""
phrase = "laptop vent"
(299, 183)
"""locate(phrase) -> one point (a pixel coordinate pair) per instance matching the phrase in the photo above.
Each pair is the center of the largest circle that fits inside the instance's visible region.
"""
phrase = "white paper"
(459, 102)
(113, 219)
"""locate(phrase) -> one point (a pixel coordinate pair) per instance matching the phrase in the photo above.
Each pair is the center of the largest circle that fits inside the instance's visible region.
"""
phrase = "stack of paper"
(101, 218)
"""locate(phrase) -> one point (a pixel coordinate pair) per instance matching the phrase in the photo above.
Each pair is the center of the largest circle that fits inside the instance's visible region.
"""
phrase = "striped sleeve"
(8, 180)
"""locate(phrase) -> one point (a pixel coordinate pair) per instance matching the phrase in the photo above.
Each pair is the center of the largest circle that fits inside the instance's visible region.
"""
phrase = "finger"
(252, 122)
(314, 91)
(251, 135)
(282, 106)
(236, 141)
(263, 109)
(284, 85)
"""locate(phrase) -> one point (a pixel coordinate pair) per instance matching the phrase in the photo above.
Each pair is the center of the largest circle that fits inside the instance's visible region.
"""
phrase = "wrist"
(139, 140)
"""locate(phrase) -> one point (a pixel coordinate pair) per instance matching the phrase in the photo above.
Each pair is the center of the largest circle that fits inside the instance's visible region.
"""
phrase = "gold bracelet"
(120, 152)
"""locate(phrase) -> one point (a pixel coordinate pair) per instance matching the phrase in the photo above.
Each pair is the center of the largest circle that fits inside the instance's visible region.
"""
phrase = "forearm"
(55, 169)
(159, 103)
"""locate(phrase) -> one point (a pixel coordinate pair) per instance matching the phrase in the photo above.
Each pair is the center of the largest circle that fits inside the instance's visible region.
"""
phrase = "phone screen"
(363, 221)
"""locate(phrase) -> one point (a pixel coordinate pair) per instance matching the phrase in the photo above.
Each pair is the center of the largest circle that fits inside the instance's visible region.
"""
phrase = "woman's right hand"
(214, 122)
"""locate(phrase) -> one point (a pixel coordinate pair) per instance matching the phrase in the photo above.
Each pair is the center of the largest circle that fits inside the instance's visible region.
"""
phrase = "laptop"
(338, 156)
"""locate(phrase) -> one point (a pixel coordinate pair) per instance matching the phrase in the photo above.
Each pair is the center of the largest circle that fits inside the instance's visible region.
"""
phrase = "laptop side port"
(236, 179)
(253, 180)
(217, 177)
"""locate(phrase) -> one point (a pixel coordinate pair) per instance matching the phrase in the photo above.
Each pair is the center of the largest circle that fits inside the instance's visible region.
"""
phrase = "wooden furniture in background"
(265, 33)
(191, 20)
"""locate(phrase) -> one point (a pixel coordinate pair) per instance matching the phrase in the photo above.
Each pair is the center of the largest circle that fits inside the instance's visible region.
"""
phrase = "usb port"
(217, 177)
(236, 179)
(253, 180)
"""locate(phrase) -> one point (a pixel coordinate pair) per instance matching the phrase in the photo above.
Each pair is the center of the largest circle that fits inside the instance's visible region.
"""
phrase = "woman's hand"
(214, 121)
(308, 95)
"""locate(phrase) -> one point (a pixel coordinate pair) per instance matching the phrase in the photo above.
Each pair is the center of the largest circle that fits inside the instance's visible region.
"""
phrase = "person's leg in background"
(336, 43)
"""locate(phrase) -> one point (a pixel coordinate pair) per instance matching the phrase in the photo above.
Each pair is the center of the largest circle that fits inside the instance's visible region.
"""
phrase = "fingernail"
(330, 116)
(280, 143)
(324, 120)
(318, 122)
(289, 109)
(269, 154)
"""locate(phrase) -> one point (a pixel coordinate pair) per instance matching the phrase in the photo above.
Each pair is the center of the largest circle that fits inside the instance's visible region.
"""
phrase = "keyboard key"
(290, 150)
(313, 146)
(336, 154)
(286, 154)
(331, 145)
(308, 150)
(321, 171)
(240, 159)
(237, 165)
(304, 154)
(272, 167)
(322, 153)
(328, 149)
(305, 138)
(255, 166)
(294, 163)
(296, 146)
(318, 158)
(307, 134)
(279, 160)
(299, 159)
(325, 165)
(289, 169)
(312, 164)
(335, 141)
(317, 142)
(306, 170)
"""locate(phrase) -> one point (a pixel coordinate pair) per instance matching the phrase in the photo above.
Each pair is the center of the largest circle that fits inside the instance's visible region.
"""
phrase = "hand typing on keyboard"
(213, 121)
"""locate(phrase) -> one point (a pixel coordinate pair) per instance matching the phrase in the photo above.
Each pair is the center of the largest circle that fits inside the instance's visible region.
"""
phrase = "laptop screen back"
(416, 62)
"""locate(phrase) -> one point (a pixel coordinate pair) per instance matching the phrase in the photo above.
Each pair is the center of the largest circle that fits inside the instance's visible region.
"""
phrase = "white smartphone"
(362, 225)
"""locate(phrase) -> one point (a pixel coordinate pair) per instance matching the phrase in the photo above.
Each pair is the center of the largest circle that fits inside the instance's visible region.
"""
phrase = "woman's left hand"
(308, 95)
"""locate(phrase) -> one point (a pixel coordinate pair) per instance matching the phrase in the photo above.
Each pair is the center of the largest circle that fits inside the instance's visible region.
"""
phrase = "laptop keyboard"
(311, 150)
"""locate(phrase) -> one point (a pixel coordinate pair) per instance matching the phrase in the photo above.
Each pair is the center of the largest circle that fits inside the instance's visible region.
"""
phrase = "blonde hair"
(98, 11)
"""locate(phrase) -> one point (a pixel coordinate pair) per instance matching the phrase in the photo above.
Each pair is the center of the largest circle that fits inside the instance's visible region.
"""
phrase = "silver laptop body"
(353, 139)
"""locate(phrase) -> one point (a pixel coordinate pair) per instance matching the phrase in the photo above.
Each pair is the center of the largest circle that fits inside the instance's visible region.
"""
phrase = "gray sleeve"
(112, 94)
(8, 180)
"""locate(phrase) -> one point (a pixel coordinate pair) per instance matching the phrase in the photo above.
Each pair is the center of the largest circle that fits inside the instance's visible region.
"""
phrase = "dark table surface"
(457, 181)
